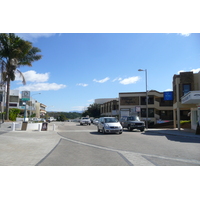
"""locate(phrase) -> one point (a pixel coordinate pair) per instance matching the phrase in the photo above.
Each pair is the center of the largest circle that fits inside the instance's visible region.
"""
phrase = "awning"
(192, 97)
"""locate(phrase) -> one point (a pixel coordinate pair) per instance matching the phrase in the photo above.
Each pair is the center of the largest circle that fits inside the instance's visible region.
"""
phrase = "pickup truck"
(132, 122)
(85, 120)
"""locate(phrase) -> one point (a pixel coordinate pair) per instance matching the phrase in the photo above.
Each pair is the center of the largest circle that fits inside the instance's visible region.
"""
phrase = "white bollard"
(54, 127)
(13, 126)
(39, 127)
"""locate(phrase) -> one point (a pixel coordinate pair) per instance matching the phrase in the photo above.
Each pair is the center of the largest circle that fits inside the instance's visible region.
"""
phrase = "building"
(104, 100)
(134, 103)
(32, 106)
(186, 105)
(110, 108)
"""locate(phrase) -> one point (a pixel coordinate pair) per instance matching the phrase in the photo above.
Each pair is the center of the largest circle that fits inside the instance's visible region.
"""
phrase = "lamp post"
(140, 70)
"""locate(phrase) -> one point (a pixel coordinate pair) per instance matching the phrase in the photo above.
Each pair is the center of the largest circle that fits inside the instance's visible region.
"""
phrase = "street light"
(140, 70)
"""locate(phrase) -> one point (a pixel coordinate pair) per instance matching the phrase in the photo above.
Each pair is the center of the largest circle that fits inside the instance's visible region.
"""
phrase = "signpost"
(25, 95)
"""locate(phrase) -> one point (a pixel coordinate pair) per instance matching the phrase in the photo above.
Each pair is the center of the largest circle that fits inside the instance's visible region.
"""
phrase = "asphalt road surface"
(84, 146)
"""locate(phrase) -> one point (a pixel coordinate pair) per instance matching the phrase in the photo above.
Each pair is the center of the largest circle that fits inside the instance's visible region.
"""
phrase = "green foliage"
(15, 52)
(13, 112)
(62, 118)
(68, 115)
(93, 111)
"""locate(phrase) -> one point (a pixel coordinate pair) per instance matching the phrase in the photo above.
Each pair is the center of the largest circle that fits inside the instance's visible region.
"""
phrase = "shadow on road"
(100, 133)
(176, 138)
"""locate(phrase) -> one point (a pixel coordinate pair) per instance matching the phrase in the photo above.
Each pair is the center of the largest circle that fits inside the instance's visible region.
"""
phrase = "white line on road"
(136, 159)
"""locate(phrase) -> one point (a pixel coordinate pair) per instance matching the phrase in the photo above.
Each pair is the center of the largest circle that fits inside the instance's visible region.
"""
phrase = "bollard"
(13, 126)
(54, 127)
(39, 127)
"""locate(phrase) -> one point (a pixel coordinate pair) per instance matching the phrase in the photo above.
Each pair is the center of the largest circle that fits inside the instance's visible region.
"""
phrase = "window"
(186, 88)
(150, 112)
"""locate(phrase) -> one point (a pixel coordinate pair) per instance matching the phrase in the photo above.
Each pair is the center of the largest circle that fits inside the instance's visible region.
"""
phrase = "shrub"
(13, 112)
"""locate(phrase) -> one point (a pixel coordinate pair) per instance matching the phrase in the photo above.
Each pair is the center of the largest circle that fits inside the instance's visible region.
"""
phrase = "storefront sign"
(129, 100)
(168, 96)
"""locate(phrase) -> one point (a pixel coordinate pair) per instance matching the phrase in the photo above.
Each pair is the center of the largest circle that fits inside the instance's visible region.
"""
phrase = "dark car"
(132, 122)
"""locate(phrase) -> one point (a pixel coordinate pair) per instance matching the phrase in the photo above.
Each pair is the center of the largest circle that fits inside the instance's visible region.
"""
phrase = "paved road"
(84, 146)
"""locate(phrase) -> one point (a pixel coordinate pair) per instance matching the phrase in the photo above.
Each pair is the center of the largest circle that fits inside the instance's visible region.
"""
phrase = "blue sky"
(77, 68)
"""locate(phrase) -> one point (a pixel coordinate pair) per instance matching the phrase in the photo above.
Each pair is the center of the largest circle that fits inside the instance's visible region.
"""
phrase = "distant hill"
(68, 115)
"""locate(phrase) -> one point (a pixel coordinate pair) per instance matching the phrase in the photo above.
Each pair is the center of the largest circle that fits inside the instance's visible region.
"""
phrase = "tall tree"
(14, 53)
(93, 111)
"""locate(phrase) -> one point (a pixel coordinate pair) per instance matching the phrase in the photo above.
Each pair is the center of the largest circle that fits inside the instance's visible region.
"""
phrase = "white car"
(85, 120)
(109, 125)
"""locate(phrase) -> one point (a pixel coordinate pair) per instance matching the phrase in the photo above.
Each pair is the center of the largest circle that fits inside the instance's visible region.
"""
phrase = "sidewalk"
(25, 148)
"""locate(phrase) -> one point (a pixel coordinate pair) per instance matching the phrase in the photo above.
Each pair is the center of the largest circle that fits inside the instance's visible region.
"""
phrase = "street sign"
(25, 95)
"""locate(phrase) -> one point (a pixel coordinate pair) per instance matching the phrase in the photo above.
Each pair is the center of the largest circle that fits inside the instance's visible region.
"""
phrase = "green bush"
(13, 112)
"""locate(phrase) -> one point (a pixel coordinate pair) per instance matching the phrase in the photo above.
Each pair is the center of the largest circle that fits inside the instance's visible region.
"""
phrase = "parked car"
(95, 121)
(85, 120)
(132, 122)
(109, 125)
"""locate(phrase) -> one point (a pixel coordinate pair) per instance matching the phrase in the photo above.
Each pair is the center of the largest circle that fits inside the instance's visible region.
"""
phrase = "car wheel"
(81, 124)
(142, 129)
(103, 131)
(98, 129)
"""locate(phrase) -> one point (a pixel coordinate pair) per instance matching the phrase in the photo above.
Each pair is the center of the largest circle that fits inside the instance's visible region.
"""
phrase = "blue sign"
(168, 96)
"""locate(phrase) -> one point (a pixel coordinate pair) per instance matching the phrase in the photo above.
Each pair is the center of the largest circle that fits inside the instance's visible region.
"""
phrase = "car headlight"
(107, 126)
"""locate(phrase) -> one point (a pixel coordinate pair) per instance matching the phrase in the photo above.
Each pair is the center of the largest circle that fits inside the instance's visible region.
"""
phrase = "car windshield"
(134, 118)
(110, 120)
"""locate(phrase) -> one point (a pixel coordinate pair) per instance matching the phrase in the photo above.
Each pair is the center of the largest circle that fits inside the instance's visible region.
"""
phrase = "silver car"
(109, 125)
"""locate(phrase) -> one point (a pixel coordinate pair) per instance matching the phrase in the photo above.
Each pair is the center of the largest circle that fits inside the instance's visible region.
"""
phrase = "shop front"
(193, 98)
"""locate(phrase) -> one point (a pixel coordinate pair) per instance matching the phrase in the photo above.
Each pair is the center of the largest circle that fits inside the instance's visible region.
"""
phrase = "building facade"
(134, 103)
(186, 105)
(31, 107)
(110, 109)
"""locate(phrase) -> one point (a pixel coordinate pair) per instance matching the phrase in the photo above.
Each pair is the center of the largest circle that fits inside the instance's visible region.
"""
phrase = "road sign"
(25, 95)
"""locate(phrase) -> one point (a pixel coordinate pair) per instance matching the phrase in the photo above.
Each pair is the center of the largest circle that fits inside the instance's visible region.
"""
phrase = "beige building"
(135, 103)
(186, 105)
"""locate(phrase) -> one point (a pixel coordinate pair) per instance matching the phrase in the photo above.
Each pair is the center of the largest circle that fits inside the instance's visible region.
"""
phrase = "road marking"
(136, 159)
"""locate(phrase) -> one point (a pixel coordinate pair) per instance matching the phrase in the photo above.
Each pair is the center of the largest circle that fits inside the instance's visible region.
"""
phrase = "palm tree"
(15, 52)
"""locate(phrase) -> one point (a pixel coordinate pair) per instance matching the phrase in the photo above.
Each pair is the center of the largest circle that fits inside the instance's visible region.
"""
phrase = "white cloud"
(102, 81)
(82, 84)
(184, 34)
(32, 76)
(193, 70)
(180, 71)
(130, 80)
(116, 79)
(168, 90)
(41, 87)
(34, 36)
